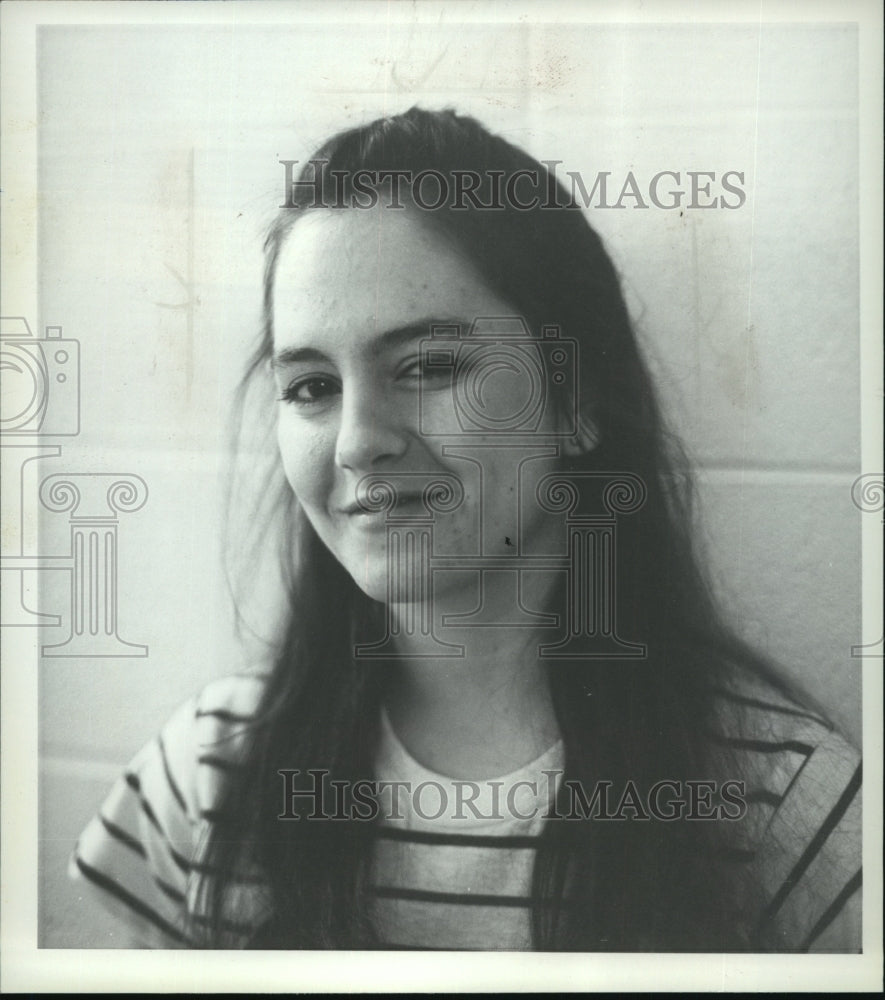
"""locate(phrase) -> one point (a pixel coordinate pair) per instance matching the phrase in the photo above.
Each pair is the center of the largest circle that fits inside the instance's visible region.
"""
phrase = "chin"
(375, 589)
(370, 575)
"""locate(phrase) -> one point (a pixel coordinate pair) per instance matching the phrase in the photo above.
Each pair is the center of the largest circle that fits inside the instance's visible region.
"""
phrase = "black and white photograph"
(442, 496)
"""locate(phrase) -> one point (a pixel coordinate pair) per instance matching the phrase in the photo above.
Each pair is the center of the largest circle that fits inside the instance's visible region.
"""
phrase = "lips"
(406, 501)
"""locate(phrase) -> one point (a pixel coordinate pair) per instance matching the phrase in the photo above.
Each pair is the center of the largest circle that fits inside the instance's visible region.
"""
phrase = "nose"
(370, 433)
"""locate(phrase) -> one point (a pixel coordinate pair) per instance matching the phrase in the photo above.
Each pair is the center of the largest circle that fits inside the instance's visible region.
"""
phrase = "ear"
(584, 441)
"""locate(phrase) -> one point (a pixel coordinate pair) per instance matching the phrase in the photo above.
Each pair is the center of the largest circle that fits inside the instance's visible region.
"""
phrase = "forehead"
(346, 275)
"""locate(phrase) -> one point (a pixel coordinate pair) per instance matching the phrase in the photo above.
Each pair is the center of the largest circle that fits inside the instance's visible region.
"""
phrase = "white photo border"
(27, 968)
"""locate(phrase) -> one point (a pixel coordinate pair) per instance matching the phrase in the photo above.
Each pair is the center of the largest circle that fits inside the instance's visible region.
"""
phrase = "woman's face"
(355, 294)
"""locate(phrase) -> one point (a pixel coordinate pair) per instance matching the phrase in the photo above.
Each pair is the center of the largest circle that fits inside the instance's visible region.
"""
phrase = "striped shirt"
(452, 861)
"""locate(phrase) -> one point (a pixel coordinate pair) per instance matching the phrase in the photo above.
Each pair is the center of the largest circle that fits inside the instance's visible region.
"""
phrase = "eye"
(421, 370)
(311, 390)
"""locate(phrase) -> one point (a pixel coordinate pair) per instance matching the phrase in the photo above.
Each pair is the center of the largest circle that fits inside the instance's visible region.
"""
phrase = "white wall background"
(750, 316)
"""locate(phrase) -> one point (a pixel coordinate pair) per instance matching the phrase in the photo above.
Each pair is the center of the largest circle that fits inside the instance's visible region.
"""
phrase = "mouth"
(405, 503)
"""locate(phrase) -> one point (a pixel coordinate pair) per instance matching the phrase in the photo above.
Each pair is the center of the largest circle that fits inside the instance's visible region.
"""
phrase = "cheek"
(307, 453)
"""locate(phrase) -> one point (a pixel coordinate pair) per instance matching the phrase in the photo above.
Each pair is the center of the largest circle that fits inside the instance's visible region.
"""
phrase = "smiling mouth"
(406, 503)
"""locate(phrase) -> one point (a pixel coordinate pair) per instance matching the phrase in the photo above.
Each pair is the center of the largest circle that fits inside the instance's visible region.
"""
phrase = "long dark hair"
(623, 886)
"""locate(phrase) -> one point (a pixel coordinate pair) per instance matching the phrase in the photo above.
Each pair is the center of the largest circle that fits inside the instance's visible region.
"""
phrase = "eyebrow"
(395, 337)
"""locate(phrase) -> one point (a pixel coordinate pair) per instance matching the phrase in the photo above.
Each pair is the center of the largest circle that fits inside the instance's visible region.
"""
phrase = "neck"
(485, 712)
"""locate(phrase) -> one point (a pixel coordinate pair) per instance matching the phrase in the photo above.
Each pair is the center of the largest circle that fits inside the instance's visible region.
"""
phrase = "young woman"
(446, 749)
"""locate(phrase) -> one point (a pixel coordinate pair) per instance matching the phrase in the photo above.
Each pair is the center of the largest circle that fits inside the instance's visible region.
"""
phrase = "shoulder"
(233, 697)
(139, 851)
(203, 739)
(803, 822)
(223, 717)
(776, 738)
